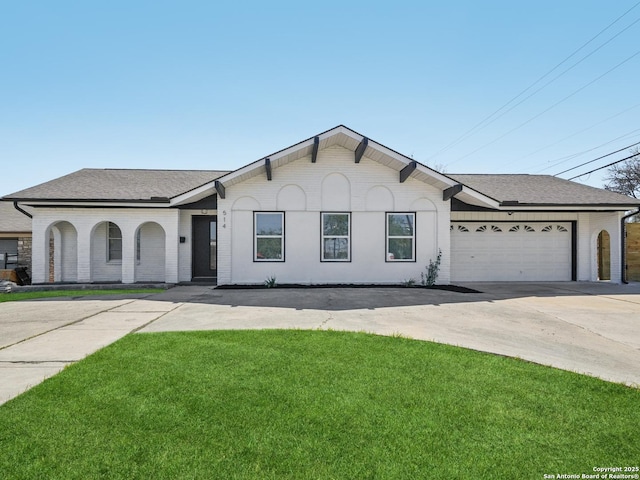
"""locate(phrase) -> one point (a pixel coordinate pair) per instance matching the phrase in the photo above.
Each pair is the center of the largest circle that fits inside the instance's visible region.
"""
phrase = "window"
(268, 230)
(336, 237)
(401, 235)
(114, 242)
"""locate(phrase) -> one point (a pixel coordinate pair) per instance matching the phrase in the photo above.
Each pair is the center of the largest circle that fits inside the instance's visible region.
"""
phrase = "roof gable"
(346, 138)
(361, 146)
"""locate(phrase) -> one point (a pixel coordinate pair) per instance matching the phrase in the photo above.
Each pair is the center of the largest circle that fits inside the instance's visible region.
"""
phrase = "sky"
(216, 85)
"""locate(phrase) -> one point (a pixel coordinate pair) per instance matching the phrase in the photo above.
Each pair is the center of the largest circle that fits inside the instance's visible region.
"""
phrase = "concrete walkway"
(40, 338)
(583, 327)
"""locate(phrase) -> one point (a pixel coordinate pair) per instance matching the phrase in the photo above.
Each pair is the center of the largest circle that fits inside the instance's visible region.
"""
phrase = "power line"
(599, 158)
(579, 132)
(547, 109)
(574, 155)
(555, 78)
(485, 122)
(606, 166)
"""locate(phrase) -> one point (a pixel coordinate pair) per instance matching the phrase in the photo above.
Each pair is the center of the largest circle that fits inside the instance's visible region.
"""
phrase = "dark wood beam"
(361, 148)
(451, 192)
(314, 152)
(267, 166)
(406, 171)
(219, 188)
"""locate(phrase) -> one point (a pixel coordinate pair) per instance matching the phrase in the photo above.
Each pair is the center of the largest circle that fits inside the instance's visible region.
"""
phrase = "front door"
(205, 248)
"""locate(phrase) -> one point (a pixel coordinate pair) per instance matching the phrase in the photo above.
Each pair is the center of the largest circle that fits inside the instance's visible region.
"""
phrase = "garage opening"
(604, 255)
(512, 251)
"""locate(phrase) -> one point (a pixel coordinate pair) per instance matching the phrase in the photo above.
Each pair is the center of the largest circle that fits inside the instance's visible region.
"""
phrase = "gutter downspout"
(623, 242)
(15, 205)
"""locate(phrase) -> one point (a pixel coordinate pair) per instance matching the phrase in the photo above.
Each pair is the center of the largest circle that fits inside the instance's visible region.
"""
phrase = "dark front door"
(205, 248)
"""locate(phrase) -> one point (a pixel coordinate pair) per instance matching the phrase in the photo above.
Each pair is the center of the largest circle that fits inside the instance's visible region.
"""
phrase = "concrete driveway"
(584, 327)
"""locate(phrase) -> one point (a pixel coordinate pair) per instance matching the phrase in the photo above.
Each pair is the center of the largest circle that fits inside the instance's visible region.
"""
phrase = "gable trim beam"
(361, 148)
(314, 152)
(451, 192)
(406, 171)
(219, 188)
(267, 166)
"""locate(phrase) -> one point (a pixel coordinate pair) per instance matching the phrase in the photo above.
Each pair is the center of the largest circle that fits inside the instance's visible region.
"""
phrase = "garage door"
(506, 251)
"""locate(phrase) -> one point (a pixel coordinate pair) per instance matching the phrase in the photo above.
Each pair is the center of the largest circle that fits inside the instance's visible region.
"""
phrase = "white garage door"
(506, 251)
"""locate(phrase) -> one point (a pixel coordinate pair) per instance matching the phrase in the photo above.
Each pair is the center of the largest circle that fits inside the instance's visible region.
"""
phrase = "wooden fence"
(633, 252)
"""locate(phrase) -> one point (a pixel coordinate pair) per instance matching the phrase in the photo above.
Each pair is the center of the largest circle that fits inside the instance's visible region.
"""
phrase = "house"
(15, 241)
(335, 208)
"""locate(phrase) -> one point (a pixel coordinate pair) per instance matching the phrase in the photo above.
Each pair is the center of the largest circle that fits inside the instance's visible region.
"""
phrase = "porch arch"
(150, 252)
(103, 267)
(61, 246)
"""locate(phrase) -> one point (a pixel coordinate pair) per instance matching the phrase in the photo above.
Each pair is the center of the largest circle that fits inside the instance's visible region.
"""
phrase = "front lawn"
(313, 404)
(15, 296)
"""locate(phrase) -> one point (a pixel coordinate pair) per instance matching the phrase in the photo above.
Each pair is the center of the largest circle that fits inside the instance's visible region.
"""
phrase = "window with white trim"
(336, 237)
(114, 243)
(401, 237)
(268, 244)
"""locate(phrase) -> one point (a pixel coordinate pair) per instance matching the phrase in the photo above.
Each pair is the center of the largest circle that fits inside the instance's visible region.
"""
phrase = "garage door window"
(401, 236)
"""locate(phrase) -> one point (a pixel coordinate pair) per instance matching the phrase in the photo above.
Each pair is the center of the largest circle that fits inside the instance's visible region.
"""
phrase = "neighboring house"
(15, 238)
(336, 208)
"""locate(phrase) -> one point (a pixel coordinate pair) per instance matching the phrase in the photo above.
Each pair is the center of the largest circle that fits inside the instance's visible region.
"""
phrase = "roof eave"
(567, 206)
(53, 202)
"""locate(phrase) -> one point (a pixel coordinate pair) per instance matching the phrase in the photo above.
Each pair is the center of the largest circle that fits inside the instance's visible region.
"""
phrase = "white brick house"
(335, 208)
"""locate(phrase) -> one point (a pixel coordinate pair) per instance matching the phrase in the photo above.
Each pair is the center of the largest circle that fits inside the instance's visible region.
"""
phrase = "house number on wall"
(224, 219)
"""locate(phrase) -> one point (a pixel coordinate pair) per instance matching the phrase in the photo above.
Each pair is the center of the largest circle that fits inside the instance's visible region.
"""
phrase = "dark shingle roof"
(541, 190)
(118, 185)
(12, 221)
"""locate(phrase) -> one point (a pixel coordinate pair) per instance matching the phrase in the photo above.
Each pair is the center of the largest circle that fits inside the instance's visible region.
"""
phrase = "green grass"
(16, 296)
(312, 405)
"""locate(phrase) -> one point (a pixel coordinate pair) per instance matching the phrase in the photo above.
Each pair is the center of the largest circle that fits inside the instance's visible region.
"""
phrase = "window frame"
(323, 237)
(110, 258)
(412, 237)
(281, 236)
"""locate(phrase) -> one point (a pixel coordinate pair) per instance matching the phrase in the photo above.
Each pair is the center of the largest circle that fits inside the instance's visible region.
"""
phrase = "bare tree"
(625, 177)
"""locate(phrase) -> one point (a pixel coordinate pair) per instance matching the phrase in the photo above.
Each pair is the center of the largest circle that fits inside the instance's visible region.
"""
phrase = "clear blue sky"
(215, 85)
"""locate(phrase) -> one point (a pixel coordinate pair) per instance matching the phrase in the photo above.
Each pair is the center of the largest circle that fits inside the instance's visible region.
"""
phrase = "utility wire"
(547, 109)
(579, 132)
(606, 166)
(483, 123)
(574, 155)
(553, 79)
(599, 158)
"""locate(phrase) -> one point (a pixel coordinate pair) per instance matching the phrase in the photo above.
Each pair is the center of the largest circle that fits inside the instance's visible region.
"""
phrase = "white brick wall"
(334, 183)
(80, 250)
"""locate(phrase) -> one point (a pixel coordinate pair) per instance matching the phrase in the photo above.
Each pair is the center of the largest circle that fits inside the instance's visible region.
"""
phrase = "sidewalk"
(46, 336)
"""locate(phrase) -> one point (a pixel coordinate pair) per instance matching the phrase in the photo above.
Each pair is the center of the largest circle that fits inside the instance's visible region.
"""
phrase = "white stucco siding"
(334, 183)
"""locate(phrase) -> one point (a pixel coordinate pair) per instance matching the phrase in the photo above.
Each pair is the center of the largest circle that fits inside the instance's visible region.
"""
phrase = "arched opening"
(604, 255)
(61, 257)
(106, 252)
(150, 253)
